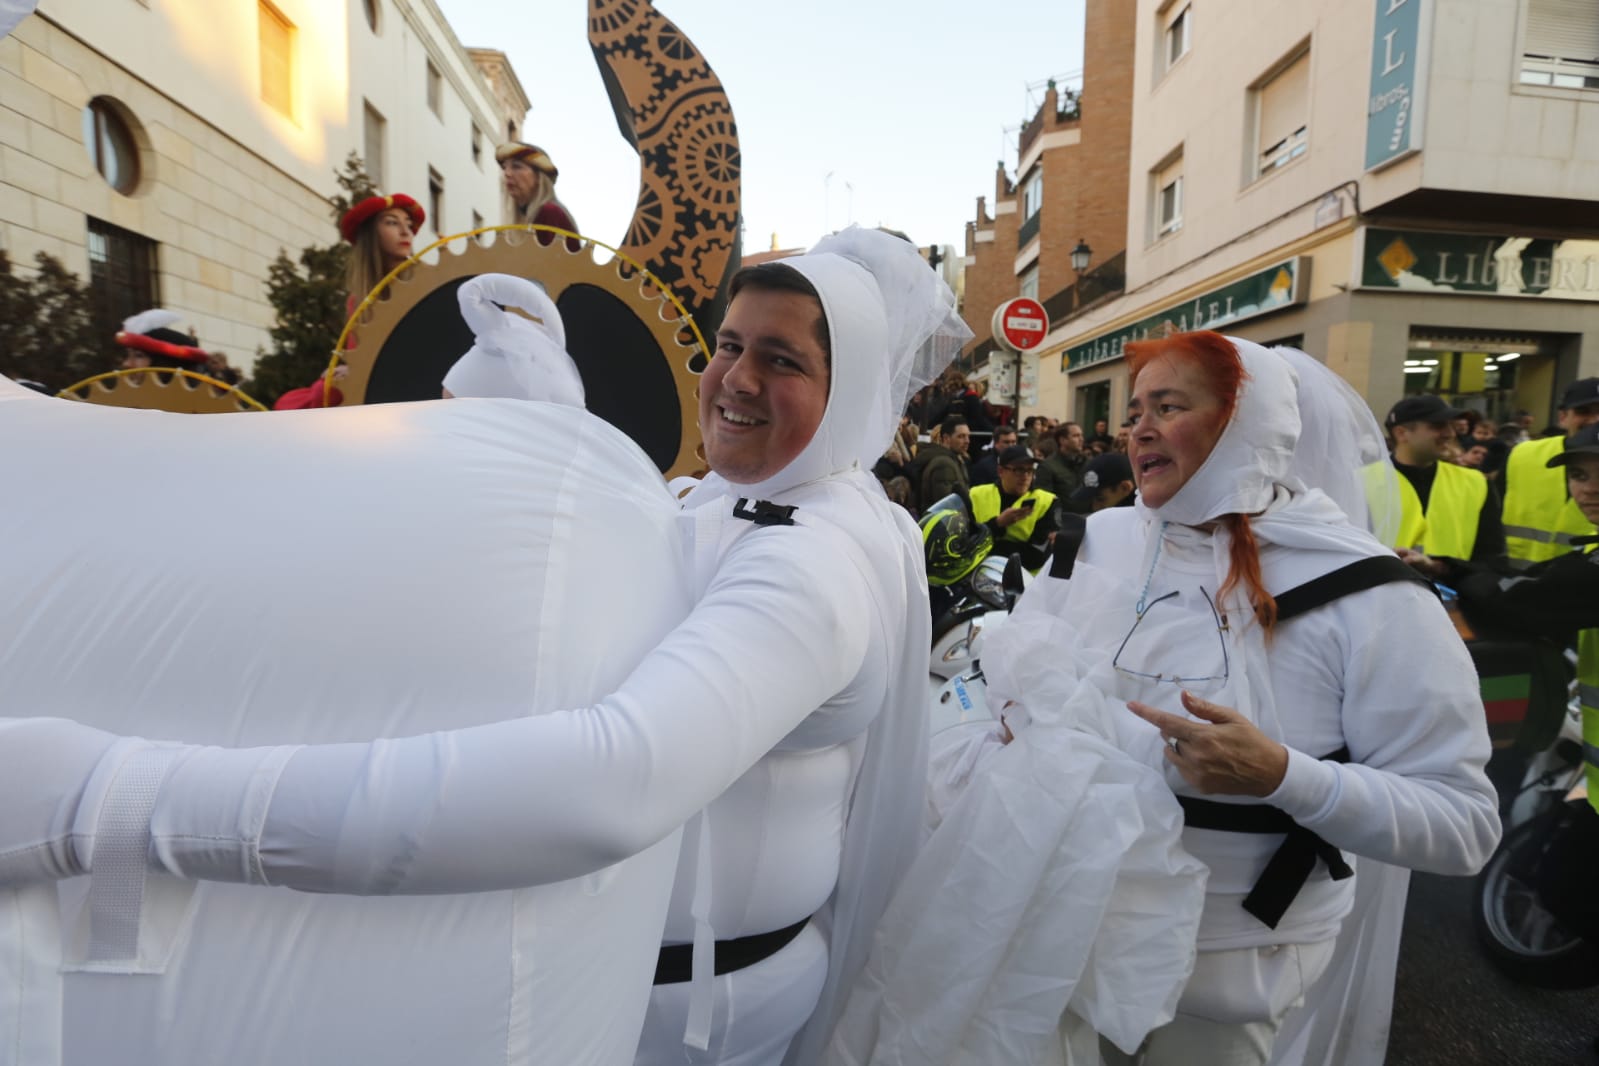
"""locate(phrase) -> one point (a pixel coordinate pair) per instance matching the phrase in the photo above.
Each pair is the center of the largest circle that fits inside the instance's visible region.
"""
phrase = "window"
(122, 276)
(510, 131)
(1561, 48)
(1177, 37)
(435, 90)
(1282, 116)
(375, 128)
(370, 9)
(1033, 194)
(1027, 283)
(477, 146)
(436, 200)
(1169, 197)
(111, 145)
(277, 58)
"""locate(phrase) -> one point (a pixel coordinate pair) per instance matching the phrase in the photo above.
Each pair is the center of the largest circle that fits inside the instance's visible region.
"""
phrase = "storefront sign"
(1484, 265)
(1393, 108)
(1261, 293)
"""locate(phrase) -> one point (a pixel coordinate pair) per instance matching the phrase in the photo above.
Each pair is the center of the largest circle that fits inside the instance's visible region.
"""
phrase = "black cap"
(1016, 455)
(1102, 472)
(1430, 409)
(1580, 393)
(1585, 442)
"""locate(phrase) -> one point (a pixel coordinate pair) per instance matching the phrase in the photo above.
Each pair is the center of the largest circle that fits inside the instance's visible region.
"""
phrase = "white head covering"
(13, 12)
(514, 358)
(893, 326)
(1297, 426)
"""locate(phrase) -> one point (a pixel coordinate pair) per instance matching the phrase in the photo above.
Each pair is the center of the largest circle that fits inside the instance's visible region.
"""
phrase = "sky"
(881, 112)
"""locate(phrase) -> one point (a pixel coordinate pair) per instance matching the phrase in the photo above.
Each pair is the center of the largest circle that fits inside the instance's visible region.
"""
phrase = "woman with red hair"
(1234, 671)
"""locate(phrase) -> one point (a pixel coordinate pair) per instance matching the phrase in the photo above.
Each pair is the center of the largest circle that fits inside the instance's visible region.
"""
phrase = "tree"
(308, 295)
(47, 329)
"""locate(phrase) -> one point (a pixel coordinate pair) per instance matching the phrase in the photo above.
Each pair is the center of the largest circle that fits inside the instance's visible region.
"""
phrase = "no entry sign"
(1020, 324)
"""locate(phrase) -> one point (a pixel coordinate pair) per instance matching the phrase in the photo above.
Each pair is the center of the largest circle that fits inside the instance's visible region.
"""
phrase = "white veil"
(1341, 449)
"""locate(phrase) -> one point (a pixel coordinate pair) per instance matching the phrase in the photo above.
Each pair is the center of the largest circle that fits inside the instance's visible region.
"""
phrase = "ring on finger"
(1175, 746)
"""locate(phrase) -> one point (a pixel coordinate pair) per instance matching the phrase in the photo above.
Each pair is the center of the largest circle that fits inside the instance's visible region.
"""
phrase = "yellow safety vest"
(1448, 526)
(1540, 516)
(1588, 697)
(985, 507)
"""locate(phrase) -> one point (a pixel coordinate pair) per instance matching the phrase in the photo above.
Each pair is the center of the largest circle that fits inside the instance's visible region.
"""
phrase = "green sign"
(1261, 293)
(1393, 107)
(1484, 265)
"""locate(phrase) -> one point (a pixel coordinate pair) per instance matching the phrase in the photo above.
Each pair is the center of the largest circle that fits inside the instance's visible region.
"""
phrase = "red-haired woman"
(1180, 651)
(379, 230)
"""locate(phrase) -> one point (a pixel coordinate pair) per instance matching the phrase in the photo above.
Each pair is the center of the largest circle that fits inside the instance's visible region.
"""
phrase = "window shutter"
(1563, 29)
(1285, 103)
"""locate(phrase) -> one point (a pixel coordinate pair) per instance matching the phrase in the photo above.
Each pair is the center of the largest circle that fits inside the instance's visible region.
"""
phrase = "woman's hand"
(1222, 755)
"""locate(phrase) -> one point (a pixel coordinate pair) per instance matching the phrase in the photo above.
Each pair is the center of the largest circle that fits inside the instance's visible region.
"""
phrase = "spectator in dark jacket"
(985, 471)
(940, 468)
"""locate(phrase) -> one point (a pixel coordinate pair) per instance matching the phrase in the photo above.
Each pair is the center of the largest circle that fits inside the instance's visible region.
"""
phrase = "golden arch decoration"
(183, 392)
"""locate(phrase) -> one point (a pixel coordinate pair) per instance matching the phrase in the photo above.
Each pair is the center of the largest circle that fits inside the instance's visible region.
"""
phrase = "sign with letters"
(1400, 39)
(1262, 292)
(1480, 264)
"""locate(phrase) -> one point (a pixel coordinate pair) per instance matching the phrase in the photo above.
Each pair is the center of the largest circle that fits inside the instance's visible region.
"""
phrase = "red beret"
(357, 216)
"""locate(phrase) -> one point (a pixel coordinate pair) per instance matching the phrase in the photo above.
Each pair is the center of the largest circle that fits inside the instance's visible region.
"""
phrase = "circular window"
(371, 9)
(112, 148)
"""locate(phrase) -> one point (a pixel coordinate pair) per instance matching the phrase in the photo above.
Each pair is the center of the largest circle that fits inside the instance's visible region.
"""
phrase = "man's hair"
(776, 277)
(950, 425)
(1065, 430)
(1001, 431)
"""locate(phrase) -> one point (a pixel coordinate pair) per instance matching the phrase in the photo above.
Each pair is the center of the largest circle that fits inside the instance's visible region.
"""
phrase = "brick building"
(1070, 188)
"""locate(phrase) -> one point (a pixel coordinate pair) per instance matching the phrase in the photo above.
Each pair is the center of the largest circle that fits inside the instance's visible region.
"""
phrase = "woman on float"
(1360, 721)
(530, 181)
(784, 720)
(379, 230)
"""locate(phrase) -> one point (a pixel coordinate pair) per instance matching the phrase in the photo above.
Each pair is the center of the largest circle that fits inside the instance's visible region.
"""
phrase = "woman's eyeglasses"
(1176, 677)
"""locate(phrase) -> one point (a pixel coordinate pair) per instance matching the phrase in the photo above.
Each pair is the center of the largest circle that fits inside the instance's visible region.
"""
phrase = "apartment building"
(1407, 189)
(166, 150)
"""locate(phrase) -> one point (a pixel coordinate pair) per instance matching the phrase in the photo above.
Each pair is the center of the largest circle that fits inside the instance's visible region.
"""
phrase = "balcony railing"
(1028, 230)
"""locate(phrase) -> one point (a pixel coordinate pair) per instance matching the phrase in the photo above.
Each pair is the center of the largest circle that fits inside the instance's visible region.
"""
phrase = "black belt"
(675, 964)
(1290, 867)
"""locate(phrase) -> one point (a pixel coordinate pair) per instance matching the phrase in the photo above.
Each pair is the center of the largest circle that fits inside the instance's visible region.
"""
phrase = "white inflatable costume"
(513, 357)
(787, 707)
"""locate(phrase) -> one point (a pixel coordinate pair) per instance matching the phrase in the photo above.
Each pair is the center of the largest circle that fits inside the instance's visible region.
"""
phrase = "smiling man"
(782, 722)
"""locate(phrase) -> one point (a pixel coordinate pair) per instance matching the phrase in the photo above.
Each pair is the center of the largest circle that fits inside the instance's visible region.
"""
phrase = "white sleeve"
(1414, 793)
(538, 799)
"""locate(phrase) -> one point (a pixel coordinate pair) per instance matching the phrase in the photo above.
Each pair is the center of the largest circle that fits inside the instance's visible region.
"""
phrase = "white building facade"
(1408, 189)
(167, 150)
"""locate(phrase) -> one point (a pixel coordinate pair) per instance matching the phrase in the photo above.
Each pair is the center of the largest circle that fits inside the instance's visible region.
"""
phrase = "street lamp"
(1080, 257)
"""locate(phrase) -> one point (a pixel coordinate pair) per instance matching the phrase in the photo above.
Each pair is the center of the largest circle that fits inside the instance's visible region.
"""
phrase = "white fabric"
(804, 638)
(1415, 792)
(155, 318)
(513, 358)
(13, 12)
(377, 571)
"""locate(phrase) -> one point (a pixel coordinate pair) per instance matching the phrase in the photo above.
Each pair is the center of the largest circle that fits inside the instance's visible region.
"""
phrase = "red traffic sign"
(1020, 324)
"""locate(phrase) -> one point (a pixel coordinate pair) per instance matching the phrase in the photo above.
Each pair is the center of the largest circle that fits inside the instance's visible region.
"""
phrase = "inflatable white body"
(326, 576)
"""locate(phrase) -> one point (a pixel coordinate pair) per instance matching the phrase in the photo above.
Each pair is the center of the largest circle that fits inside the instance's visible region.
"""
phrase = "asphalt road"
(1451, 1007)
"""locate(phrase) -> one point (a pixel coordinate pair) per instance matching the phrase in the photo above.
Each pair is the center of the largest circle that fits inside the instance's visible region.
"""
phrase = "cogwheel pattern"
(614, 19)
(180, 392)
(678, 115)
(512, 250)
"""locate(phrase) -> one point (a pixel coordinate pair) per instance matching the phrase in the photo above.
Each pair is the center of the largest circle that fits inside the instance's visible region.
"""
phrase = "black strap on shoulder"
(1068, 542)
(675, 964)
(1290, 867)
(1356, 577)
(766, 513)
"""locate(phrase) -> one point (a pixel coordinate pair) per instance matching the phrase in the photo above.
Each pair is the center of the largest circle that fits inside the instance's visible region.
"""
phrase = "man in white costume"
(782, 721)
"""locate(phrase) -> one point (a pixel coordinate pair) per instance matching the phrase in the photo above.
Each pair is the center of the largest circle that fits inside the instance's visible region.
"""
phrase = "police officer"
(1021, 517)
(1540, 517)
(1553, 599)
(1446, 511)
